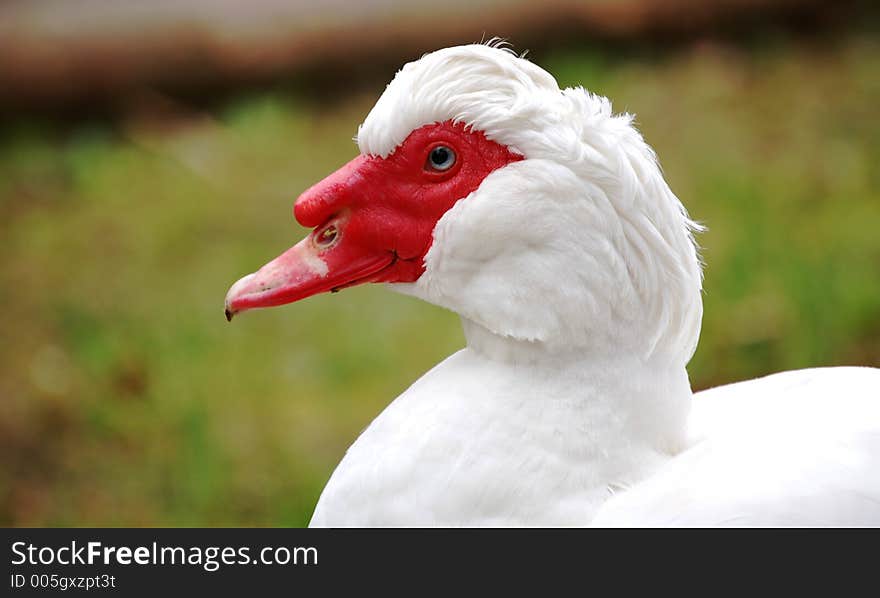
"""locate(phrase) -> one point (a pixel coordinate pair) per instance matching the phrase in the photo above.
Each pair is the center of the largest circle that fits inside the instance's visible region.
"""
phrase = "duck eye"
(441, 158)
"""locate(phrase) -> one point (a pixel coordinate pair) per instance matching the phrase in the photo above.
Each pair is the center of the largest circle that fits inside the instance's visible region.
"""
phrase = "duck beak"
(339, 253)
(307, 269)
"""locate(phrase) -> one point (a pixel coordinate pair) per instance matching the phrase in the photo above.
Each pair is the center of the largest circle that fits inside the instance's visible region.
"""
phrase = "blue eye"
(441, 158)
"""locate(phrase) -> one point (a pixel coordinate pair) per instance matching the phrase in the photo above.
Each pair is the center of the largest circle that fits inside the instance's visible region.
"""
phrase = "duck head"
(532, 211)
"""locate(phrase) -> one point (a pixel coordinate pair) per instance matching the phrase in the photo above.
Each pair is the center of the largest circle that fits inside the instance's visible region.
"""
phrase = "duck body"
(797, 448)
(485, 440)
(543, 219)
(474, 444)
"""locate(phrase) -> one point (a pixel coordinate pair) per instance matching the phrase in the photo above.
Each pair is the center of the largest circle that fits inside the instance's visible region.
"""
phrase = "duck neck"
(633, 400)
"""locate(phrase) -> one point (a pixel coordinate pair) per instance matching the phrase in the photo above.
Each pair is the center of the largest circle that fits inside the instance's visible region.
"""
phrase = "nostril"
(326, 237)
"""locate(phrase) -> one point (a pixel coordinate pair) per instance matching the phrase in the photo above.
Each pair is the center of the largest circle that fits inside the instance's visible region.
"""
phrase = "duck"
(543, 219)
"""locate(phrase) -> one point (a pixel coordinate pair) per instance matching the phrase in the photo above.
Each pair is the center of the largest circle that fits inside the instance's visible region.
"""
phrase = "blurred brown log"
(57, 53)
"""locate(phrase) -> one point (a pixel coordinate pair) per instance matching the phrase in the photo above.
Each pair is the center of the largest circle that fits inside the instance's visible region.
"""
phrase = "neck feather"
(636, 400)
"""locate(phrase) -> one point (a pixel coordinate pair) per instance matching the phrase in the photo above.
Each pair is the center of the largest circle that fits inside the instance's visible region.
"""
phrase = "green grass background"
(126, 399)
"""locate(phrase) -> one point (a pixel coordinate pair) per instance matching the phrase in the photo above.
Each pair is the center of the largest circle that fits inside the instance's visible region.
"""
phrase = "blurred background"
(150, 154)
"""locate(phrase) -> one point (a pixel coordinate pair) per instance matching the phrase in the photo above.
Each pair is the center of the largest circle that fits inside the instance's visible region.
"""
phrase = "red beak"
(302, 271)
(335, 255)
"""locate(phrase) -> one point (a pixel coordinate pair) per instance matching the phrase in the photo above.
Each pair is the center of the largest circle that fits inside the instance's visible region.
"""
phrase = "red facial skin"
(384, 211)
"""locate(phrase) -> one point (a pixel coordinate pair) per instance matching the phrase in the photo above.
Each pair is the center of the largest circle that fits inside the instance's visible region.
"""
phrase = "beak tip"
(230, 309)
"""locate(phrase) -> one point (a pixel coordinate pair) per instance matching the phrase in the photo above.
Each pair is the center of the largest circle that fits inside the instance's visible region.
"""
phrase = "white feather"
(578, 281)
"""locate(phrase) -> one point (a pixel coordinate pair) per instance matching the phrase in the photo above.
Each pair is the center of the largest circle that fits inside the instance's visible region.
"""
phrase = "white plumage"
(578, 282)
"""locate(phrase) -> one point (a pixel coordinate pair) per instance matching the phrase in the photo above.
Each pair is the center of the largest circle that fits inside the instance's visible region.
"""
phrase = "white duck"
(544, 221)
